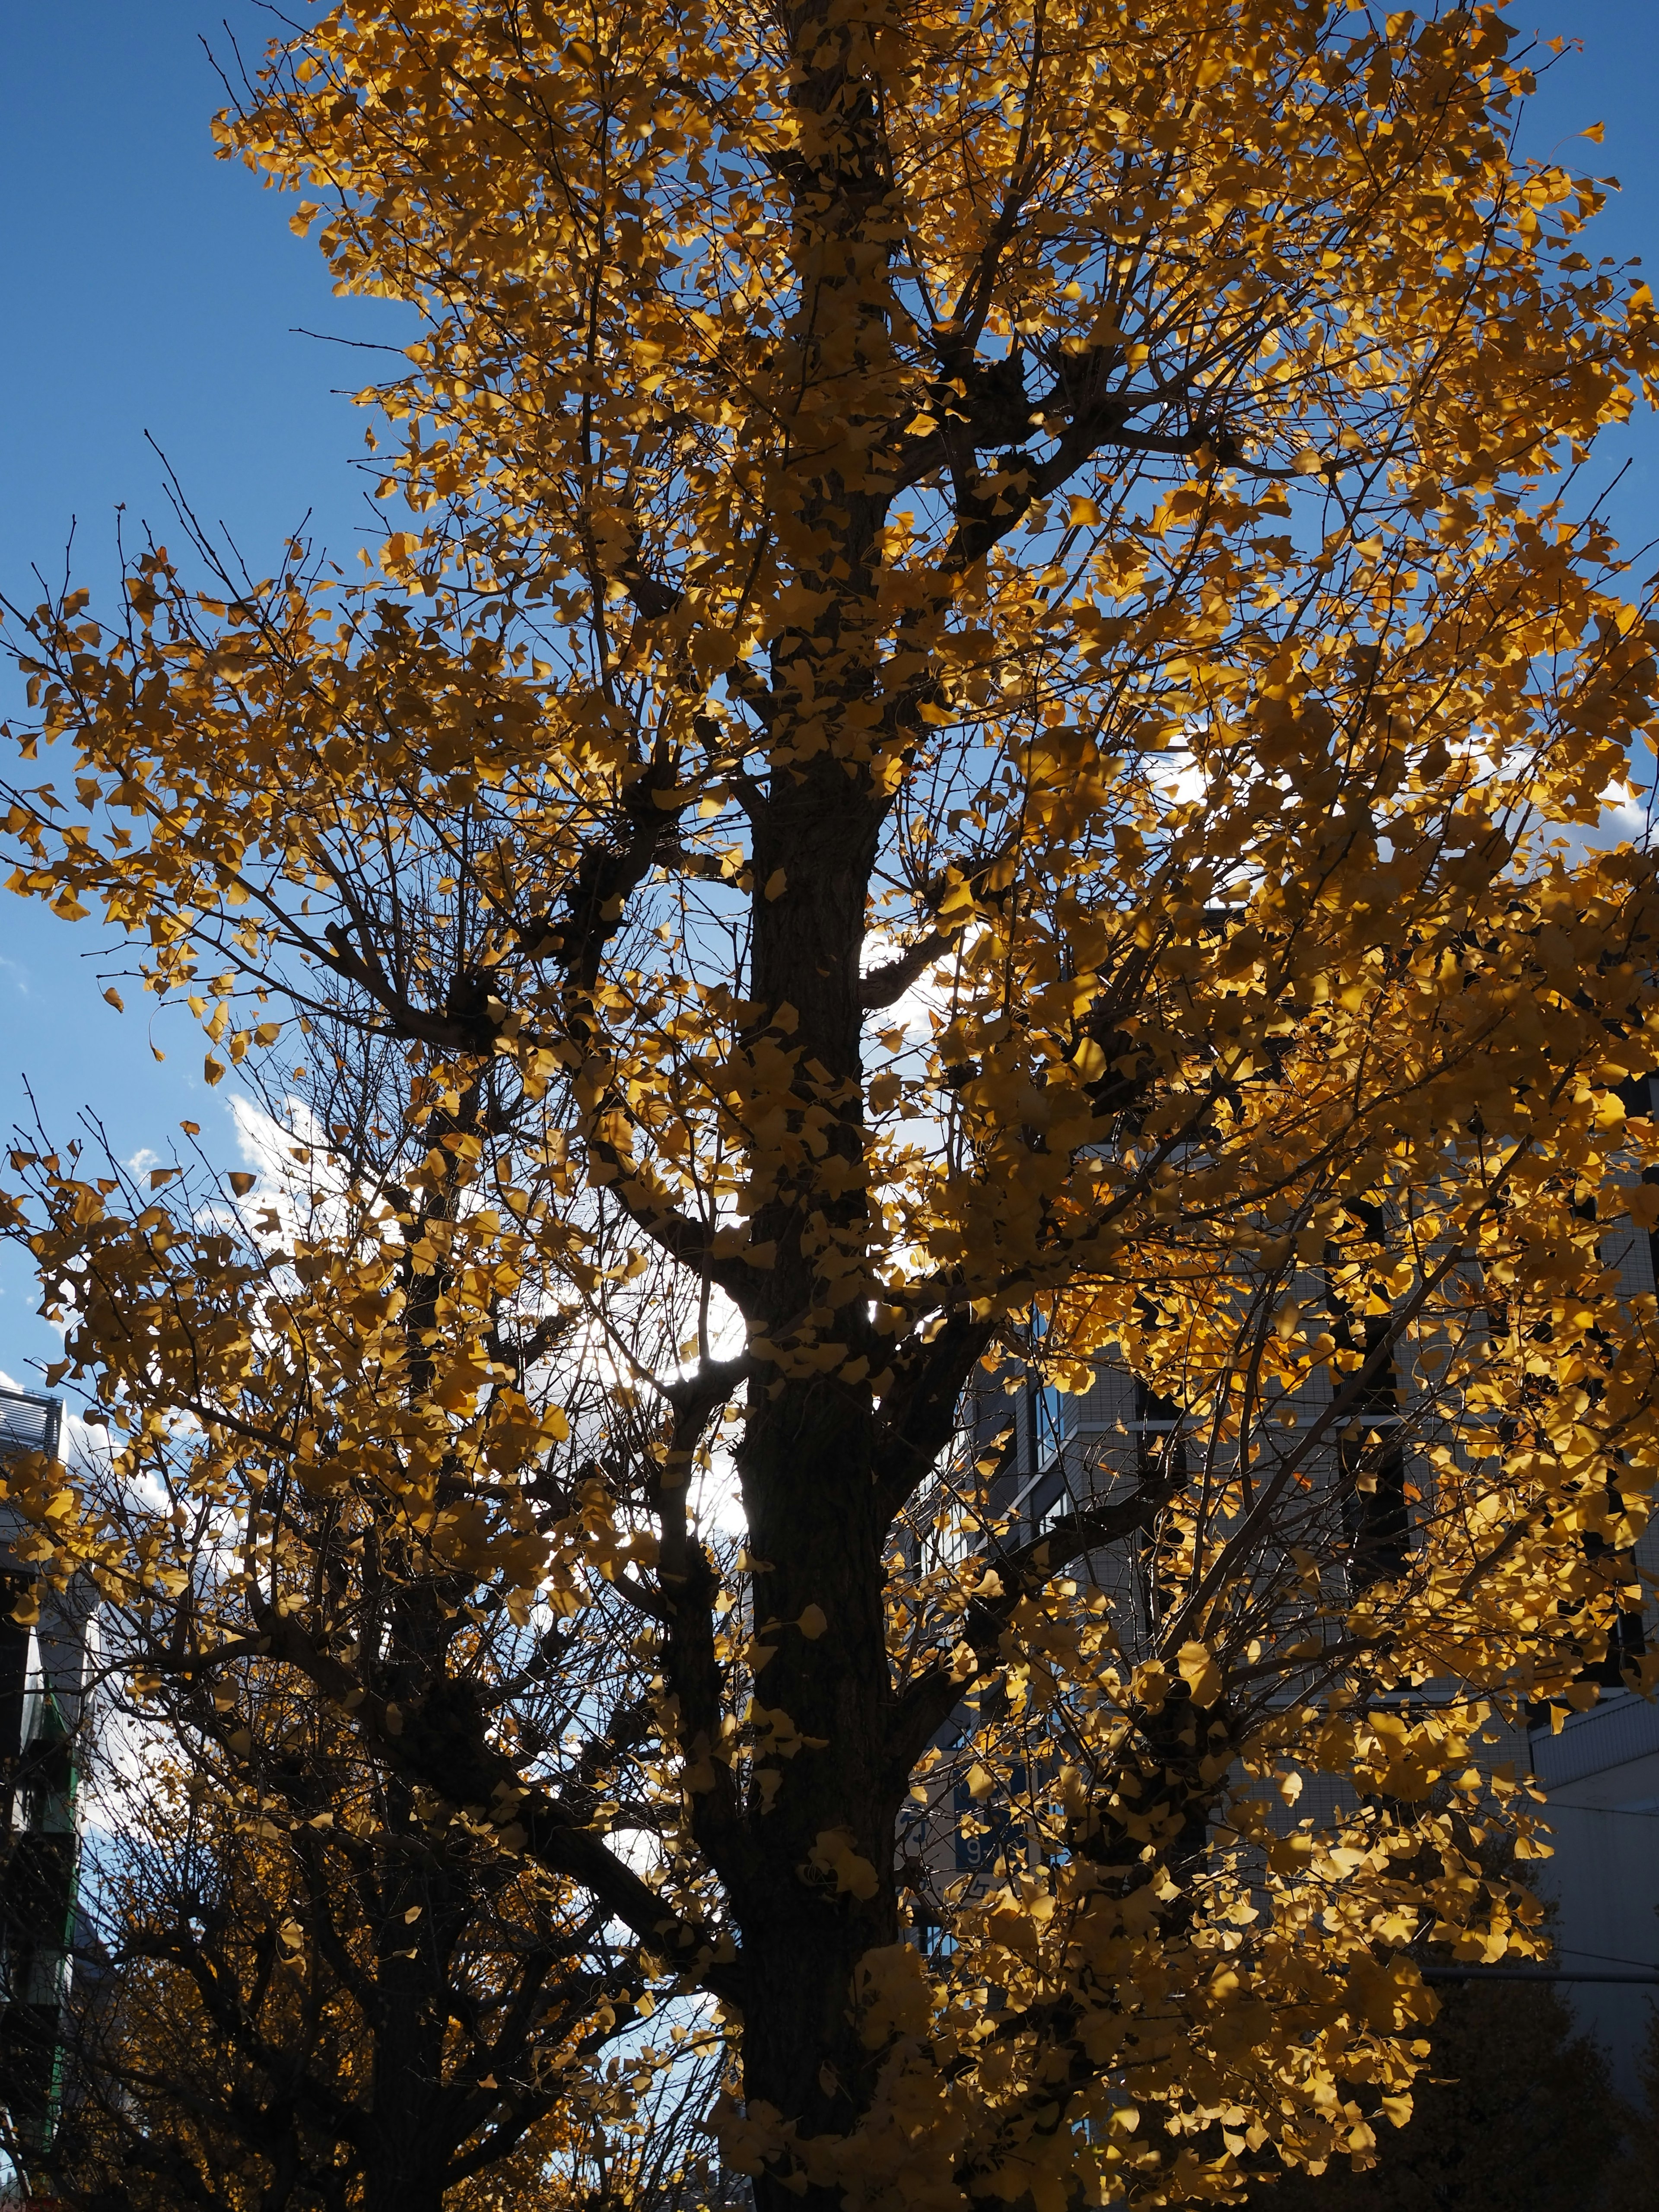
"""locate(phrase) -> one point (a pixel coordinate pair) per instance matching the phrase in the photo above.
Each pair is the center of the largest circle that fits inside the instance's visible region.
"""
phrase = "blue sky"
(153, 290)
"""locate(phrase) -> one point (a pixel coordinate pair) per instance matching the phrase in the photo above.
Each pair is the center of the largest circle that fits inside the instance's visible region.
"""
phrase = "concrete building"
(43, 1677)
(1602, 1779)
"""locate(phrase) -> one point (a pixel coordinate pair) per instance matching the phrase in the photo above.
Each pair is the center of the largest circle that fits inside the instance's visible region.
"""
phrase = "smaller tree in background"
(1515, 2113)
(309, 1991)
(1631, 2181)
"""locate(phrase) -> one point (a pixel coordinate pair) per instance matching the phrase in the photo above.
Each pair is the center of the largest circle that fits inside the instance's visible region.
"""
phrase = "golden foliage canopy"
(976, 753)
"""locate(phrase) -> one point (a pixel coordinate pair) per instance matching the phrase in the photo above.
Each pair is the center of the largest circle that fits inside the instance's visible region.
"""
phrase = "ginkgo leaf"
(1200, 1671)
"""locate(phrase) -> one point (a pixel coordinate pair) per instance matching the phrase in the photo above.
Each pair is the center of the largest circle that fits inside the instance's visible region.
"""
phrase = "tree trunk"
(817, 1519)
(814, 1520)
(404, 2160)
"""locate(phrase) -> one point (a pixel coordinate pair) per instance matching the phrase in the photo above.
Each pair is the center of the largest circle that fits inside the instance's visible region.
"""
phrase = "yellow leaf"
(1200, 1671)
(833, 1853)
(894, 1994)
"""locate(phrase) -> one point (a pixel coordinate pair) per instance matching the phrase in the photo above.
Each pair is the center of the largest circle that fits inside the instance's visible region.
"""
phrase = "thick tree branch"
(920, 1410)
(933, 1697)
(893, 977)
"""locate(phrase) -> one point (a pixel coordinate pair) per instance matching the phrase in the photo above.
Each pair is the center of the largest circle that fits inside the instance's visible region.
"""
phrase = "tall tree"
(974, 755)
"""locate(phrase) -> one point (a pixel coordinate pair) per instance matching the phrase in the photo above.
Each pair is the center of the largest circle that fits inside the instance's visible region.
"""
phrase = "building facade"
(43, 1688)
